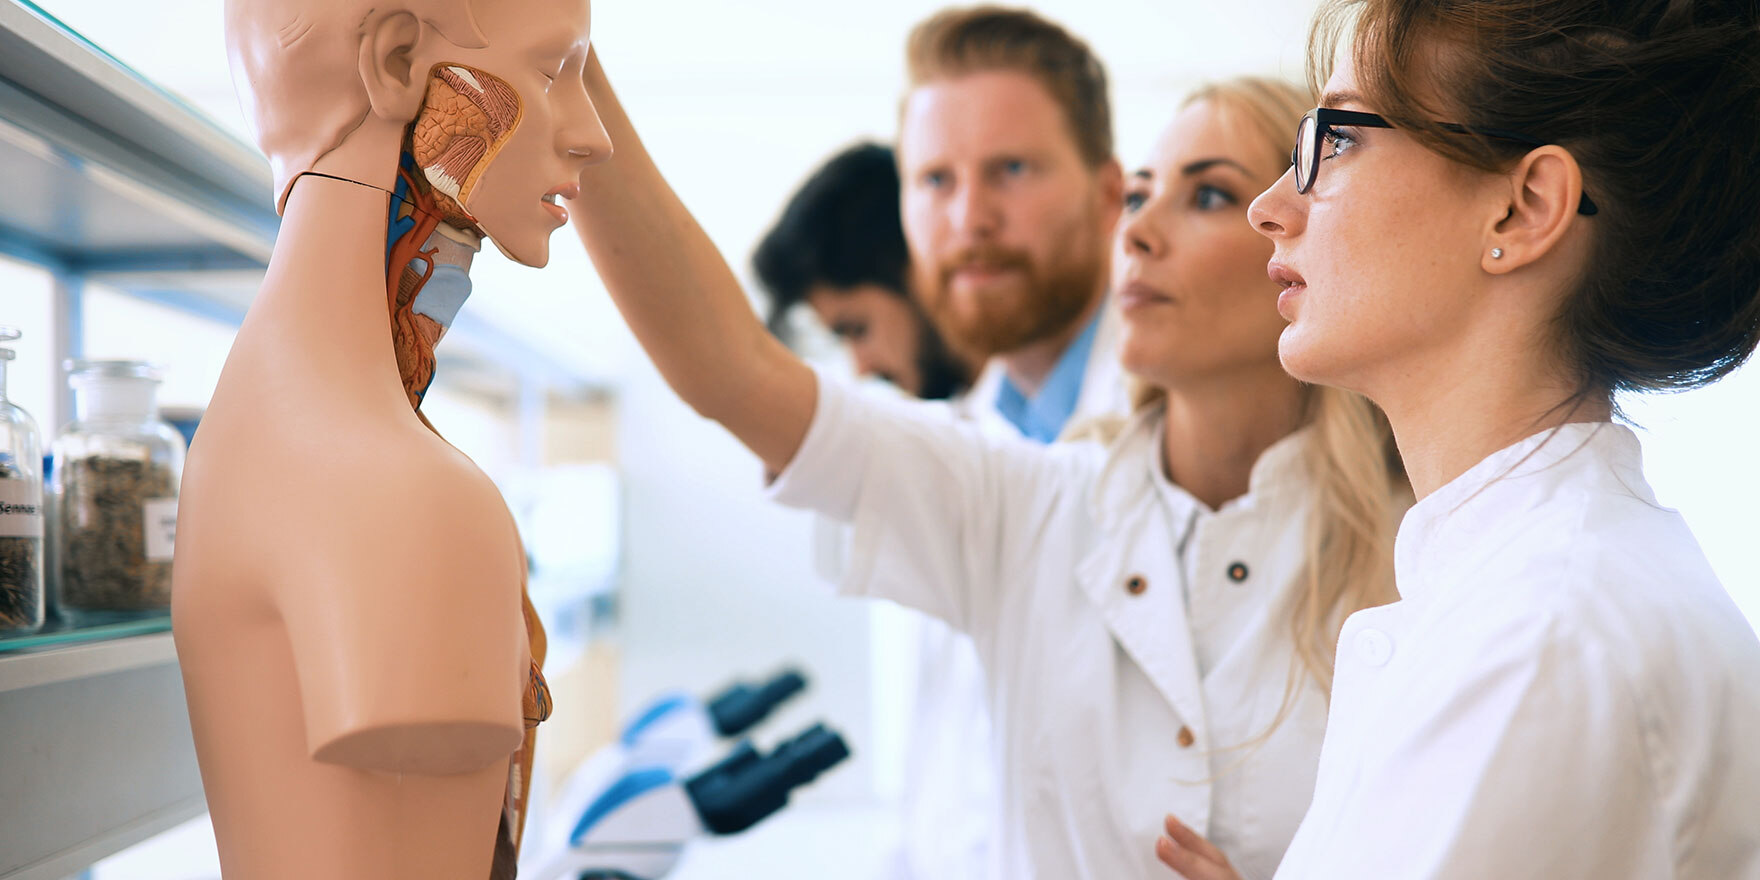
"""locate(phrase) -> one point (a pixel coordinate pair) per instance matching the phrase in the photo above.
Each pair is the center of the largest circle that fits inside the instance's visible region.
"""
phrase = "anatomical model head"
(505, 127)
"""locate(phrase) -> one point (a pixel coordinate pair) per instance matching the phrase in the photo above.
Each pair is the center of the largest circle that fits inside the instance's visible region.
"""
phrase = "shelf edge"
(35, 668)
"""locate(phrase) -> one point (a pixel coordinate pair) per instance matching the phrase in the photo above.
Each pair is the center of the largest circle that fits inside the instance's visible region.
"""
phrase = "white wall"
(26, 304)
(189, 351)
(1699, 453)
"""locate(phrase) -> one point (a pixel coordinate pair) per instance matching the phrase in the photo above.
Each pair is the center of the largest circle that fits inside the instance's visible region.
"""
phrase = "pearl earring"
(1497, 253)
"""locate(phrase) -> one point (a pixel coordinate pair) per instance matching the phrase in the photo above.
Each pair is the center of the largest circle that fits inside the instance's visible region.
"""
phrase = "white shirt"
(1563, 692)
(1060, 563)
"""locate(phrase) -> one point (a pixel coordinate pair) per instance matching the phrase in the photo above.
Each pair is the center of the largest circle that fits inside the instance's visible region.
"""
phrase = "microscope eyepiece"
(746, 787)
(739, 708)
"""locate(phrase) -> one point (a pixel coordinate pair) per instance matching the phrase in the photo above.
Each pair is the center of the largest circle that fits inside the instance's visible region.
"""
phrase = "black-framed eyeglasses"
(1317, 123)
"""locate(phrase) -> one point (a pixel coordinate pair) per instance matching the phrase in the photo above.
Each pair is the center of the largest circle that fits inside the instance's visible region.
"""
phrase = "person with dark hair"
(839, 249)
(1503, 214)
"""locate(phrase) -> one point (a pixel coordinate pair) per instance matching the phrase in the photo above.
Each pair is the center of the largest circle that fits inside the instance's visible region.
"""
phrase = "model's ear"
(387, 67)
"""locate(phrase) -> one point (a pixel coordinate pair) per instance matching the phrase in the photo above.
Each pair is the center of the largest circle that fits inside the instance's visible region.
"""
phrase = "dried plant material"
(21, 577)
(21, 584)
(110, 561)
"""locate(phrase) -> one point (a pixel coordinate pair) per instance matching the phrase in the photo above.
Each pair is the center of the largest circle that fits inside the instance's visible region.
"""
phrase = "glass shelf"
(101, 52)
(110, 627)
(105, 171)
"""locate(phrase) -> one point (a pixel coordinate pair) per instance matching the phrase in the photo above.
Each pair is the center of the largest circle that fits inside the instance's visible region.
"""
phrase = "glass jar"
(21, 511)
(114, 480)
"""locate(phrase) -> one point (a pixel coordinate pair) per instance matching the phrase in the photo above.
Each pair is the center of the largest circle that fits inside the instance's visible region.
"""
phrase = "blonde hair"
(1359, 482)
(962, 41)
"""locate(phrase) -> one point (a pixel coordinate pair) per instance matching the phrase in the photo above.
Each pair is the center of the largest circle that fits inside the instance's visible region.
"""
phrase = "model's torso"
(259, 506)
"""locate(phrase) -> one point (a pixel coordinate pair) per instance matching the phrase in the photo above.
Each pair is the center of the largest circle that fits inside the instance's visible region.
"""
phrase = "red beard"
(1036, 301)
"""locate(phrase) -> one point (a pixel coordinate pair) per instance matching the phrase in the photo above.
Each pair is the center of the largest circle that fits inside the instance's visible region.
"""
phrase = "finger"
(1189, 839)
(1187, 863)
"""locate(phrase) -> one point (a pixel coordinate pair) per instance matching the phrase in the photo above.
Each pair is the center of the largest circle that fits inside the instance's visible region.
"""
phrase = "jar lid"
(110, 369)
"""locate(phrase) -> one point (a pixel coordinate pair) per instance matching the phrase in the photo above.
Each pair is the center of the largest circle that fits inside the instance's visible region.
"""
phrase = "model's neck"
(1030, 366)
(447, 289)
(326, 288)
(327, 276)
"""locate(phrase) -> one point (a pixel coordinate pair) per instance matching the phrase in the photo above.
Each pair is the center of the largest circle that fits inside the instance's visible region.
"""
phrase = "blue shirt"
(1043, 416)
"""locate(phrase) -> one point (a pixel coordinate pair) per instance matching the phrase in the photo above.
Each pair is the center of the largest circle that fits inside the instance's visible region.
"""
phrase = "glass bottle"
(21, 511)
(114, 480)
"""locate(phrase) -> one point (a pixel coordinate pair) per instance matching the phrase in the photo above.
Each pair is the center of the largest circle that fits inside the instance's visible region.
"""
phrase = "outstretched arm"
(682, 300)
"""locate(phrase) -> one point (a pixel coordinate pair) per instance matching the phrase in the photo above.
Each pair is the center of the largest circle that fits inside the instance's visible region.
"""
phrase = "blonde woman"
(1157, 615)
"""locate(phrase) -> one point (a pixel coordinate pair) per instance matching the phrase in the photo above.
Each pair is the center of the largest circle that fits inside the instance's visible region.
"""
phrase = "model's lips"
(565, 191)
(1138, 295)
(1293, 286)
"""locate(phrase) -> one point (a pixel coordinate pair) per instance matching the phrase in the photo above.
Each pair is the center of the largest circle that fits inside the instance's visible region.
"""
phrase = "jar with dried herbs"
(115, 476)
(21, 511)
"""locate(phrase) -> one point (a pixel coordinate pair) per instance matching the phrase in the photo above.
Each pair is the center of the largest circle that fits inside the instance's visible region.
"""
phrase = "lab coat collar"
(1436, 544)
(1122, 487)
(1124, 481)
(1138, 537)
(1151, 625)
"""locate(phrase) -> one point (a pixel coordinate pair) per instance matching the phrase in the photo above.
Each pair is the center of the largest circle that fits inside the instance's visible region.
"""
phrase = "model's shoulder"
(337, 474)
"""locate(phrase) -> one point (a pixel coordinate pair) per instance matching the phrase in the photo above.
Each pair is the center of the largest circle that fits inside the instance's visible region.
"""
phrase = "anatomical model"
(362, 666)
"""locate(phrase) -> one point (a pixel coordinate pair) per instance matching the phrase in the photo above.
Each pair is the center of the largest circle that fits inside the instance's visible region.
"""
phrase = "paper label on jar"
(159, 516)
(21, 510)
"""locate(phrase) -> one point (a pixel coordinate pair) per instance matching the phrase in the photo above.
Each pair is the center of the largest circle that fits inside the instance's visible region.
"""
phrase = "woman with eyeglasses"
(1505, 213)
(1156, 617)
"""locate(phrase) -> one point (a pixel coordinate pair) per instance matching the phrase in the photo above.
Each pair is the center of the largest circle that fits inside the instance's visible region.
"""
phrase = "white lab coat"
(1564, 691)
(1079, 582)
(950, 797)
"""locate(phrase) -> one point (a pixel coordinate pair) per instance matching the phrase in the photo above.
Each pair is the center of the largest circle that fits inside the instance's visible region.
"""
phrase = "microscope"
(630, 810)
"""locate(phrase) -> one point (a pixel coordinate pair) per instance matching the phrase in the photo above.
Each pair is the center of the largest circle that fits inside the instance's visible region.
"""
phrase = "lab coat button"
(1136, 584)
(1186, 738)
(1237, 572)
(1374, 647)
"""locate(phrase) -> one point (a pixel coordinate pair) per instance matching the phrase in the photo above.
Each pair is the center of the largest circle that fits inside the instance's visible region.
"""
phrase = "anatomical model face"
(537, 48)
(333, 86)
